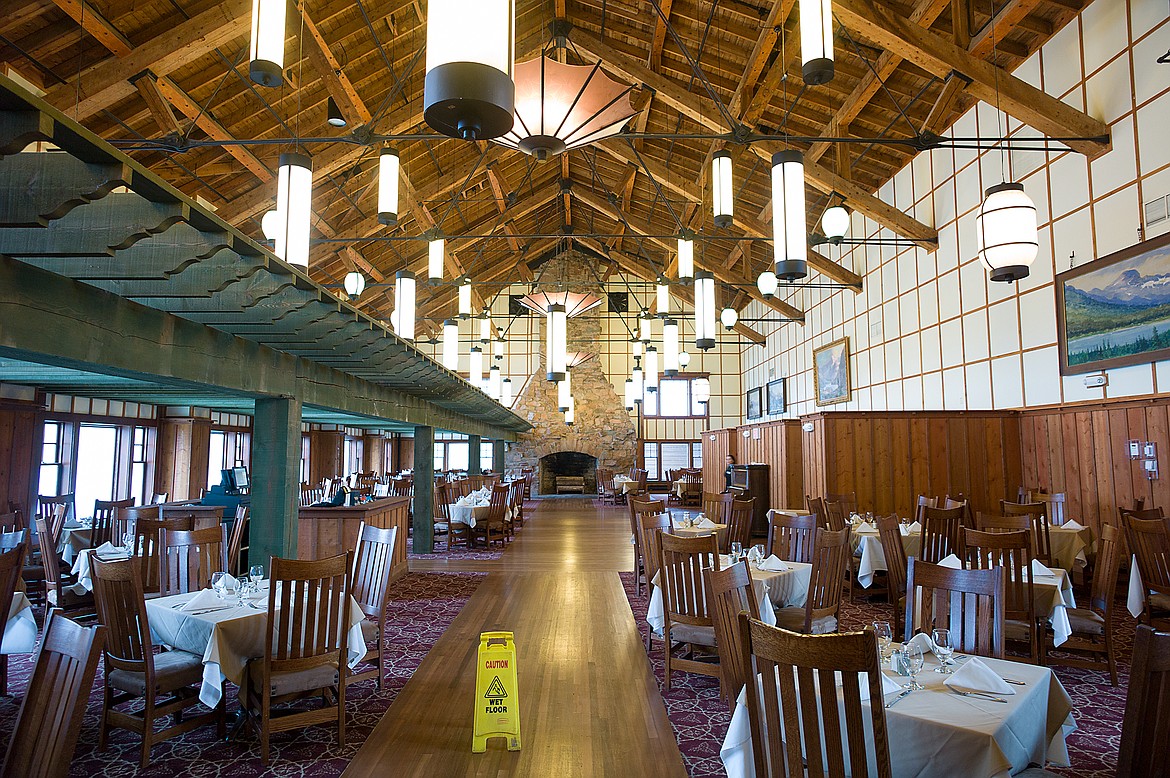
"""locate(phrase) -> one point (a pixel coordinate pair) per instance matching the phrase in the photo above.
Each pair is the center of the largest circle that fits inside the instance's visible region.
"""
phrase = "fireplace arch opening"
(568, 472)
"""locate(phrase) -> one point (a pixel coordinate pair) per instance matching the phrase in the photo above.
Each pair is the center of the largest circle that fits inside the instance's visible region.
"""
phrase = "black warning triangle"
(496, 689)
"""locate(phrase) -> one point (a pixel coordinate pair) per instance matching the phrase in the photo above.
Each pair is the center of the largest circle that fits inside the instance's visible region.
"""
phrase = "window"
(305, 459)
(661, 456)
(217, 457)
(485, 456)
(675, 399)
(457, 456)
(650, 451)
(352, 453)
(138, 458)
(97, 458)
(52, 460)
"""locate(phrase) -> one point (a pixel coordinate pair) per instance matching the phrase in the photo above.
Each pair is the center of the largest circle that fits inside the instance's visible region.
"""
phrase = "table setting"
(76, 536)
(698, 526)
(624, 484)
(81, 564)
(1069, 544)
(867, 546)
(470, 507)
(20, 627)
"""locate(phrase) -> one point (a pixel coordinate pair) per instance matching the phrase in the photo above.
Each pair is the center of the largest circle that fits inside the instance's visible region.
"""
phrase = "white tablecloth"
(1069, 546)
(81, 567)
(623, 484)
(75, 536)
(20, 630)
(467, 514)
(227, 639)
(935, 732)
(1136, 596)
(867, 545)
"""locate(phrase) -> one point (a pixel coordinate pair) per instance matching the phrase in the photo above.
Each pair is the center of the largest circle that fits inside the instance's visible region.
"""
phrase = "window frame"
(657, 475)
(690, 379)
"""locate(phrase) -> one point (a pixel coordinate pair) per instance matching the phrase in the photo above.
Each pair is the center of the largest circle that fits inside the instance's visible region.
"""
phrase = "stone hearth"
(567, 463)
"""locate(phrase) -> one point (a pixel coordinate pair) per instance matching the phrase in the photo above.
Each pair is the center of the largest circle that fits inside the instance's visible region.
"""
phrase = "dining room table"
(624, 484)
(938, 731)
(20, 627)
(1070, 545)
(82, 570)
(867, 547)
(76, 535)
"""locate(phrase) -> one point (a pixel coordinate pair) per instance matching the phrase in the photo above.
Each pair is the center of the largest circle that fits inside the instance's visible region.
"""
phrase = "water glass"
(256, 573)
(230, 587)
(914, 662)
(736, 551)
(217, 583)
(128, 542)
(885, 636)
(942, 649)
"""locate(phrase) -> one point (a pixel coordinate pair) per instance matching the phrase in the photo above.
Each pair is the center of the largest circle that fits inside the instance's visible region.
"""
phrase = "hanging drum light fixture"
(1005, 229)
(662, 291)
(266, 53)
(556, 346)
(451, 344)
(816, 41)
(294, 208)
(789, 241)
(722, 194)
(686, 255)
(388, 174)
(704, 310)
(670, 347)
(404, 289)
(465, 298)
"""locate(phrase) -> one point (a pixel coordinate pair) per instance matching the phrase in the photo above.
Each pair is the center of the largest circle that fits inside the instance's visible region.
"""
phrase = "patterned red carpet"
(700, 718)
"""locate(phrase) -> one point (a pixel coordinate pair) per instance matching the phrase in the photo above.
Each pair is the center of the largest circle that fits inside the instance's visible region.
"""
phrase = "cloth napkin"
(865, 526)
(1073, 525)
(975, 676)
(754, 556)
(1040, 571)
(951, 561)
(915, 527)
(923, 642)
(704, 523)
(773, 564)
(108, 550)
(204, 599)
(73, 524)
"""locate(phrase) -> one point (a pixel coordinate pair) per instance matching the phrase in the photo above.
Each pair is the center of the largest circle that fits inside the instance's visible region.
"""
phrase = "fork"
(980, 695)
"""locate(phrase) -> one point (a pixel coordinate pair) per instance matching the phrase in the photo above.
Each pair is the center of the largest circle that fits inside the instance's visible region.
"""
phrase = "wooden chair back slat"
(371, 569)
(831, 551)
(1146, 725)
(967, 602)
(895, 553)
(739, 523)
(791, 538)
(1054, 505)
(49, 557)
(941, 529)
(649, 525)
(188, 559)
(48, 505)
(923, 502)
(239, 529)
(1110, 548)
(121, 606)
(105, 513)
(146, 545)
(717, 507)
(816, 506)
(847, 500)
(1013, 552)
(1037, 515)
(305, 630)
(730, 593)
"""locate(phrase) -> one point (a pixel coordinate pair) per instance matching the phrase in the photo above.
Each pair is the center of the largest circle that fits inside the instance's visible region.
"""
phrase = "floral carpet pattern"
(700, 718)
(422, 607)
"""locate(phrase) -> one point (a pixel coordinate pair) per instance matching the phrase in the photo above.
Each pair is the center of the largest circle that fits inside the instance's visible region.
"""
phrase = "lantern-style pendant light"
(835, 224)
(556, 345)
(266, 54)
(468, 92)
(571, 413)
(355, 284)
(294, 205)
(704, 310)
(670, 347)
(686, 255)
(684, 359)
(651, 369)
(465, 298)
(701, 390)
(767, 284)
(388, 175)
(436, 258)
(451, 344)
(404, 296)
(728, 317)
(788, 228)
(494, 382)
(816, 41)
(638, 376)
(1005, 229)
(662, 291)
(476, 370)
(646, 327)
(564, 392)
(629, 394)
(485, 327)
(722, 194)
(506, 393)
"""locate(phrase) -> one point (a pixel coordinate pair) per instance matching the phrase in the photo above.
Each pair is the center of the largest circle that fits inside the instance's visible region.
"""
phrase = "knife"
(890, 704)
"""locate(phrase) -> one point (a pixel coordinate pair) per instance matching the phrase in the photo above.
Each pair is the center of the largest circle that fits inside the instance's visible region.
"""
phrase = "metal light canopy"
(574, 303)
(1005, 229)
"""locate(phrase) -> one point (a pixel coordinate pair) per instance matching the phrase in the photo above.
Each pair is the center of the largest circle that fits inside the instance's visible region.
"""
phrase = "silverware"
(980, 695)
(901, 694)
(201, 611)
(1014, 682)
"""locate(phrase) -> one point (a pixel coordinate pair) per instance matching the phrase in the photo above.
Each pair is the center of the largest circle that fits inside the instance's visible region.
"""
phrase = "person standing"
(727, 473)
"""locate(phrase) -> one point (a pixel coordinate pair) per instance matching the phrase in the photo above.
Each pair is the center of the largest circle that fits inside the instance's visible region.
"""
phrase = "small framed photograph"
(777, 403)
(755, 403)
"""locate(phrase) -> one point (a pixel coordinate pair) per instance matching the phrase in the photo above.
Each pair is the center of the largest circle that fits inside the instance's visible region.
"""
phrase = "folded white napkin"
(922, 641)
(975, 676)
(902, 528)
(951, 561)
(73, 524)
(865, 526)
(773, 564)
(754, 556)
(1039, 570)
(704, 523)
(206, 598)
(915, 527)
(889, 686)
(1073, 525)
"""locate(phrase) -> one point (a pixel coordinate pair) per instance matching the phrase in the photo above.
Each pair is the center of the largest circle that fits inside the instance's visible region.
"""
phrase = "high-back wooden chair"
(969, 603)
(236, 542)
(1149, 539)
(104, 514)
(779, 707)
(1146, 725)
(1038, 517)
(1011, 551)
(371, 588)
(848, 501)
(47, 508)
(637, 507)
(147, 548)
(739, 524)
(1020, 523)
(923, 502)
(199, 516)
(494, 523)
(684, 600)
(816, 506)
(649, 526)
(188, 559)
(1091, 642)
(941, 533)
(11, 566)
(1145, 514)
(132, 669)
(717, 507)
(126, 519)
(49, 723)
(299, 662)
(1054, 505)
(822, 606)
(791, 538)
(441, 514)
(730, 592)
(895, 553)
(60, 589)
(835, 516)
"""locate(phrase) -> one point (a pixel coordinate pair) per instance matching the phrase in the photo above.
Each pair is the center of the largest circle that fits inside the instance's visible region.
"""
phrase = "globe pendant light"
(646, 326)
(663, 294)
(686, 255)
(564, 392)
(816, 41)
(388, 175)
(670, 347)
(788, 227)
(651, 369)
(436, 258)
(684, 359)
(476, 367)
(485, 327)
(404, 290)
(266, 53)
(270, 224)
(701, 390)
(729, 316)
(355, 284)
(506, 393)
(638, 376)
(571, 413)
(704, 310)
(465, 298)
(494, 382)
(556, 346)
(722, 195)
(451, 344)
(1005, 229)
(767, 284)
(629, 394)
(835, 224)
(468, 91)
(294, 205)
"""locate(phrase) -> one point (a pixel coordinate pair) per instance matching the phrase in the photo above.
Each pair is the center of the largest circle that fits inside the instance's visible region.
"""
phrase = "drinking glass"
(230, 587)
(217, 583)
(914, 663)
(942, 649)
(885, 636)
(128, 542)
(736, 551)
(256, 573)
(759, 549)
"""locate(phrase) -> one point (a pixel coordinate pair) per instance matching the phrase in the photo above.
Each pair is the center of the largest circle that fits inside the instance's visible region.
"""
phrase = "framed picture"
(776, 399)
(1115, 310)
(831, 372)
(755, 403)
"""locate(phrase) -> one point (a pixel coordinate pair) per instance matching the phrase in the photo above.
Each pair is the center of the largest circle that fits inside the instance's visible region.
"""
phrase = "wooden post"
(498, 456)
(276, 478)
(424, 490)
(473, 446)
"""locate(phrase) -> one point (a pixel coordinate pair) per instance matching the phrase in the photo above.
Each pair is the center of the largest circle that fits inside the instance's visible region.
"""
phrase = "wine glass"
(256, 573)
(914, 662)
(885, 636)
(217, 583)
(736, 551)
(128, 542)
(230, 587)
(942, 649)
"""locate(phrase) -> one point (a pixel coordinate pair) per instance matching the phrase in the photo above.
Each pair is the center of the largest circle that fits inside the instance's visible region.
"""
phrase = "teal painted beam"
(276, 476)
(424, 490)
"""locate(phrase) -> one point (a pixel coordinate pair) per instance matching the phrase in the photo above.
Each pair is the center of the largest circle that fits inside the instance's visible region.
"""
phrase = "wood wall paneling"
(717, 444)
(778, 445)
(21, 437)
(325, 454)
(184, 451)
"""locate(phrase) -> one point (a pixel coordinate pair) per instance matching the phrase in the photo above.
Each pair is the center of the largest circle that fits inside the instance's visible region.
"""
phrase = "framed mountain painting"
(1115, 311)
(831, 372)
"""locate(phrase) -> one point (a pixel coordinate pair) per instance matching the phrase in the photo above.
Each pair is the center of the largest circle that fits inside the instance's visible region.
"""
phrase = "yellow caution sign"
(497, 709)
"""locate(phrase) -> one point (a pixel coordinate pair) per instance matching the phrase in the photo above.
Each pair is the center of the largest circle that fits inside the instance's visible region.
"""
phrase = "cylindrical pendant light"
(670, 347)
(816, 41)
(465, 298)
(571, 413)
(498, 348)
(686, 255)
(663, 293)
(722, 194)
(638, 376)
(1005, 229)
(789, 240)
(494, 382)
(506, 393)
(266, 54)
(564, 392)
(646, 327)
(636, 347)
(475, 375)
(436, 258)
(651, 369)
(767, 284)
(704, 310)
(294, 204)
(404, 304)
(835, 224)
(468, 92)
(451, 344)
(701, 390)
(485, 327)
(684, 359)
(388, 175)
(355, 284)
(556, 346)
(629, 397)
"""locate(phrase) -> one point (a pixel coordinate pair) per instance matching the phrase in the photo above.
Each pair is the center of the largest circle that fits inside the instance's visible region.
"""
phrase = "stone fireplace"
(568, 466)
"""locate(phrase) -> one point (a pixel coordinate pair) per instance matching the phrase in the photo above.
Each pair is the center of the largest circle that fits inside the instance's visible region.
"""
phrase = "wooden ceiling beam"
(96, 25)
(758, 59)
(1007, 17)
(160, 109)
(654, 61)
(940, 112)
(340, 87)
(205, 121)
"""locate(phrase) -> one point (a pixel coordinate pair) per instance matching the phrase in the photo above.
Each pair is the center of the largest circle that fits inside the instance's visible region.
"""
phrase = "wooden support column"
(473, 446)
(498, 457)
(276, 476)
(424, 490)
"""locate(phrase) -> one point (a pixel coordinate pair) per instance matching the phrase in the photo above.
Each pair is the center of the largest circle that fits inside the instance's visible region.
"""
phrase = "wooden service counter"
(325, 532)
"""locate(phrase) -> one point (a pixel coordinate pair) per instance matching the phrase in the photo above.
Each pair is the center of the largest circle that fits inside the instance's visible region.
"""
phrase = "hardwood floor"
(589, 704)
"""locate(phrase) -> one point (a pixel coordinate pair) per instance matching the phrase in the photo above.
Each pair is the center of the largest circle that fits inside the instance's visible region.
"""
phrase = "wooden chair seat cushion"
(370, 630)
(1085, 621)
(1018, 630)
(689, 633)
(1159, 601)
(440, 526)
(792, 619)
(299, 681)
(172, 671)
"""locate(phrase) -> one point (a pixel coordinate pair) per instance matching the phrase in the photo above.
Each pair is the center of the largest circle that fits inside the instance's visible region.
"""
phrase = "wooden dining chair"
(372, 568)
(104, 514)
(835, 516)
(188, 559)
(637, 507)
(48, 505)
(517, 503)
(11, 566)
(1011, 551)
(126, 519)
(967, 602)
(1091, 643)
(48, 725)
(649, 527)
(1145, 514)
(787, 701)
(12, 538)
(494, 522)
(235, 545)
(992, 523)
(61, 590)
(440, 515)
(717, 507)
(739, 524)
(895, 553)
(1054, 505)
(791, 538)
(1145, 726)
(1038, 516)
(816, 506)
(148, 549)
(730, 592)
(941, 528)
(685, 606)
(301, 662)
(822, 607)
(156, 686)
(1149, 539)
(923, 502)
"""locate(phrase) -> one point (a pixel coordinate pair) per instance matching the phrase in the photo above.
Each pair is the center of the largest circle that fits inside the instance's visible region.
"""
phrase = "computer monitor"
(240, 475)
(227, 480)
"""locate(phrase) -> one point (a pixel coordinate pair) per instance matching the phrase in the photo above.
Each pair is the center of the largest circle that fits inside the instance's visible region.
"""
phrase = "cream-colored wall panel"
(952, 342)
(1108, 94)
(1073, 235)
(891, 323)
(1149, 81)
(907, 270)
(974, 280)
(1038, 318)
(1129, 381)
(1029, 70)
(894, 367)
(1069, 174)
(1152, 120)
(1157, 185)
(928, 303)
(911, 355)
(861, 376)
(1145, 15)
(975, 338)
(1036, 187)
(942, 164)
(1007, 382)
(1005, 327)
(1041, 271)
(908, 311)
(894, 396)
(968, 195)
(877, 398)
(1162, 376)
(904, 188)
(932, 392)
(1119, 167)
(1039, 368)
(1106, 32)
(964, 127)
(1075, 390)
(944, 202)
(979, 386)
(997, 291)
(1117, 221)
(921, 169)
(1025, 162)
(877, 364)
(946, 257)
(912, 393)
(955, 389)
(931, 348)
